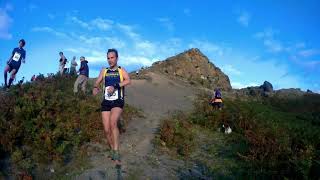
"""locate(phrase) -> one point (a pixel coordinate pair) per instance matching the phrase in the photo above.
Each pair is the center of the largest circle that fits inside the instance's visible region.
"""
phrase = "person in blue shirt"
(13, 64)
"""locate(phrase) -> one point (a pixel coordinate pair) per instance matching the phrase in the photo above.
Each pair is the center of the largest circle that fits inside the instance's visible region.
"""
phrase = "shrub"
(282, 135)
(176, 132)
(44, 122)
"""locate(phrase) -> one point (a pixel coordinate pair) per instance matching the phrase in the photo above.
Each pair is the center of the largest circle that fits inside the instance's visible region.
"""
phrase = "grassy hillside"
(273, 138)
(44, 124)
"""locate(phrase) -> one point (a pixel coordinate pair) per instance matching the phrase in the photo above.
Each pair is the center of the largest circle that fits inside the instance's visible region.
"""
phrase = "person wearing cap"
(13, 64)
(83, 76)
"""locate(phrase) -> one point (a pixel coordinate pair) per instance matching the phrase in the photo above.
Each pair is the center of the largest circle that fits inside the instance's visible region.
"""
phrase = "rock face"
(267, 87)
(309, 91)
(265, 90)
(194, 67)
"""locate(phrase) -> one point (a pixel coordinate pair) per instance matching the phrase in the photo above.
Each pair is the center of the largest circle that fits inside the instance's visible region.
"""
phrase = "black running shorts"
(108, 105)
(14, 65)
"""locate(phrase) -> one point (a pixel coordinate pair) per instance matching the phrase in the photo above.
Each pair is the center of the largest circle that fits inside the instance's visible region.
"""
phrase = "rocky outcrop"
(266, 87)
(194, 67)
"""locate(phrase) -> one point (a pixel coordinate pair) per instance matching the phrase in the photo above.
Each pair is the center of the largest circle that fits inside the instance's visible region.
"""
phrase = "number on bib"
(16, 56)
(110, 97)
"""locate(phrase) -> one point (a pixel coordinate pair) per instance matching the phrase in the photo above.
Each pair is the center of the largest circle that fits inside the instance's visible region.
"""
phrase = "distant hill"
(194, 67)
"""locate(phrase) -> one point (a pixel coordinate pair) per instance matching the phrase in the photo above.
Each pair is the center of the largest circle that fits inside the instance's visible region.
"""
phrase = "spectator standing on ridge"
(62, 63)
(73, 66)
(33, 78)
(21, 81)
(114, 79)
(18, 55)
(83, 76)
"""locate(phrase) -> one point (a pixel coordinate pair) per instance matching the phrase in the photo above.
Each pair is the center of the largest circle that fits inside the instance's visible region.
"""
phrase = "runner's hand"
(95, 91)
(110, 90)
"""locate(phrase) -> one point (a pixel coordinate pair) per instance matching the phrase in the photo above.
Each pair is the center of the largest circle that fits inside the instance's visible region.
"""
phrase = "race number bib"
(110, 97)
(16, 56)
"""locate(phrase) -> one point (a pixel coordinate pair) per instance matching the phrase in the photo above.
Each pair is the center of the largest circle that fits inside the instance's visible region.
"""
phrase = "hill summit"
(193, 66)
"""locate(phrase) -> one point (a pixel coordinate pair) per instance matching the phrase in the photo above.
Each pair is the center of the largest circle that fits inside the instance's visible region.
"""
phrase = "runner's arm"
(10, 56)
(9, 59)
(99, 79)
(126, 79)
(24, 58)
(96, 89)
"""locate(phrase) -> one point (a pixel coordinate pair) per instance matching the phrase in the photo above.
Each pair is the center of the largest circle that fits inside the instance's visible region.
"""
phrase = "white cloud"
(83, 24)
(128, 30)
(239, 85)
(270, 42)
(102, 24)
(167, 23)
(308, 64)
(91, 41)
(79, 50)
(230, 69)
(244, 18)
(146, 48)
(96, 57)
(309, 52)
(273, 45)
(5, 22)
(99, 41)
(142, 60)
(115, 42)
(312, 64)
(99, 57)
(49, 30)
(257, 70)
(169, 47)
(98, 23)
(268, 33)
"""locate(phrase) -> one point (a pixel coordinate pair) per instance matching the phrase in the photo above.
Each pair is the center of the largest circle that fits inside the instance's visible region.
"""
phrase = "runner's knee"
(6, 69)
(107, 130)
(114, 125)
(13, 74)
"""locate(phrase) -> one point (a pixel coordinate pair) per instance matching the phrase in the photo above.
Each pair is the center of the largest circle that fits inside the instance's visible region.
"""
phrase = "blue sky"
(251, 41)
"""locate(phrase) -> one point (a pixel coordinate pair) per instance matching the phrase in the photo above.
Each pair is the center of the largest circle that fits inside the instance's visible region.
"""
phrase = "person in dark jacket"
(83, 77)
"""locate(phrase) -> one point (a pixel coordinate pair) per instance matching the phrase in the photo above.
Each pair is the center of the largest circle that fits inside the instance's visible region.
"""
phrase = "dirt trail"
(156, 98)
